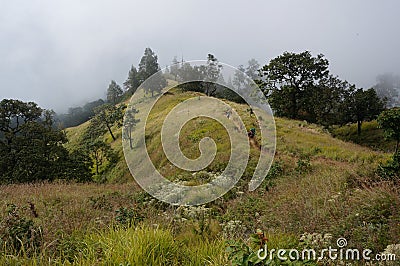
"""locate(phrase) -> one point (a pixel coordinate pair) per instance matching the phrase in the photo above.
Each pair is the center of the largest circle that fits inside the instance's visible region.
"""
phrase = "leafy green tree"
(363, 106)
(100, 152)
(327, 101)
(389, 121)
(108, 115)
(288, 77)
(31, 147)
(133, 81)
(114, 92)
(129, 124)
(97, 151)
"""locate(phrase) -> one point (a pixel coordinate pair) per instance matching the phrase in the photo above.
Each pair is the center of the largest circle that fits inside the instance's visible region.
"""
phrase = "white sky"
(64, 53)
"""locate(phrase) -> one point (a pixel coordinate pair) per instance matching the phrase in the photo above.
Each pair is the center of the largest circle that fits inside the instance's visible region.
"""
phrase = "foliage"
(133, 81)
(389, 121)
(107, 116)
(288, 77)
(148, 66)
(299, 86)
(78, 115)
(19, 234)
(391, 169)
(127, 216)
(129, 124)
(31, 147)
(212, 74)
(362, 106)
(114, 92)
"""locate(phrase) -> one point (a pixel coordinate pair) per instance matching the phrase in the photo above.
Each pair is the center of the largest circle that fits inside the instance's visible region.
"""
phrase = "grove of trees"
(299, 86)
(31, 146)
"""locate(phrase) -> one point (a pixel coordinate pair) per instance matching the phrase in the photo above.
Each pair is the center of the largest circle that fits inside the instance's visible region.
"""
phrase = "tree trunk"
(359, 127)
(294, 106)
(97, 167)
(109, 130)
(130, 139)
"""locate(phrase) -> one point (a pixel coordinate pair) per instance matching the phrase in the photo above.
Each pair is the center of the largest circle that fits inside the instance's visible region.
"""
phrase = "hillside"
(317, 184)
(371, 136)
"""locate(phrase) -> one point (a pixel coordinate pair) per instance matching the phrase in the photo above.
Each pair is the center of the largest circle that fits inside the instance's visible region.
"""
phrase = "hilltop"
(317, 184)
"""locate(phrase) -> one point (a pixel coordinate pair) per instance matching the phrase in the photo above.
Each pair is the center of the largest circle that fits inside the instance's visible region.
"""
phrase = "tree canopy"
(389, 121)
(31, 147)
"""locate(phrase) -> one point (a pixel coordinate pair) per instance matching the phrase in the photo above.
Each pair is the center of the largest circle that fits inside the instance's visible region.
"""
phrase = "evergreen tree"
(133, 81)
(147, 67)
(114, 92)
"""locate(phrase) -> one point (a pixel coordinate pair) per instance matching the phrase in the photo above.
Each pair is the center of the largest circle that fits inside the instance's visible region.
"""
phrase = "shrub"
(19, 234)
(391, 169)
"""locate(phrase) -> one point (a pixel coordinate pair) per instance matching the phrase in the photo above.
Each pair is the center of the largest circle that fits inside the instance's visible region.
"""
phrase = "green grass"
(371, 136)
(322, 185)
(142, 245)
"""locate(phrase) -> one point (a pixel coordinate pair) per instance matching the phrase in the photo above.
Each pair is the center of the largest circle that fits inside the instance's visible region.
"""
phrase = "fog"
(64, 53)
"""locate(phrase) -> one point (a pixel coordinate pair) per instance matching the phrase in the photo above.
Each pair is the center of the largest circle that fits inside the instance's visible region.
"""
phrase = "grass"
(319, 184)
(371, 136)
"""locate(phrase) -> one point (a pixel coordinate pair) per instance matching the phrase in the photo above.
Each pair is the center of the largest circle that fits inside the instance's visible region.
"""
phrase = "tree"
(389, 121)
(147, 67)
(212, 74)
(108, 115)
(97, 150)
(363, 106)
(133, 81)
(175, 68)
(288, 77)
(326, 101)
(155, 84)
(100, 152)
(114, 92)
(78, 115)
(239, 77)
(252, 69)
(31, 147)
(129, 124)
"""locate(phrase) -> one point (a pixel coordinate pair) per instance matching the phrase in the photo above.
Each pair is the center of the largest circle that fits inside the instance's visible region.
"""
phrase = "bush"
(19, 234)
(390, 170)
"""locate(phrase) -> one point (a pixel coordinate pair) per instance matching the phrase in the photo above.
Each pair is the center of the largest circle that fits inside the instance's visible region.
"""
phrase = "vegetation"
(389, 120)
(114, 92)
(31, 147)
(318, 189)
(299, 86)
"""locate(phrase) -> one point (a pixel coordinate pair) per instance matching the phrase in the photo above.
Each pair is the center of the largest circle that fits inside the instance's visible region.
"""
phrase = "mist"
(64, 53)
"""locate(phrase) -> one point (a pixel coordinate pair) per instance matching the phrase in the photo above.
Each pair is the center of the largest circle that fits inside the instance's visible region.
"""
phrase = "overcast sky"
(63, 53)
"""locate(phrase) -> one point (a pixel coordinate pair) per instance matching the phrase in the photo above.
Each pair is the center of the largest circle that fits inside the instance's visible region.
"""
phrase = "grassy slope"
(371, 136)
(322, 186)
